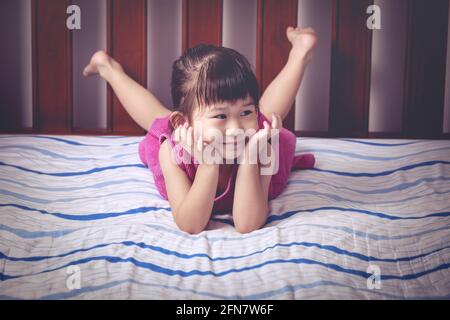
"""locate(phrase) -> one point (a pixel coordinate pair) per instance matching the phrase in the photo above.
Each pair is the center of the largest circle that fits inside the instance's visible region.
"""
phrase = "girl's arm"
(250, 204)
(251, 201)
(191, 203)
(280, 94)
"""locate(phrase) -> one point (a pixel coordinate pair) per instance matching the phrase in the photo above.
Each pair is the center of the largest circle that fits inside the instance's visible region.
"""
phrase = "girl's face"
(232, 120)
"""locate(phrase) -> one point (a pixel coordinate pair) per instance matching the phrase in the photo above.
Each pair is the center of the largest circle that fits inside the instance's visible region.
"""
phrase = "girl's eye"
(249, 112)
(219, 116)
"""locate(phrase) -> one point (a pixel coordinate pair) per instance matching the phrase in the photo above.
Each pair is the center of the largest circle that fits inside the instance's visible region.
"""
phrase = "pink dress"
(223, 203)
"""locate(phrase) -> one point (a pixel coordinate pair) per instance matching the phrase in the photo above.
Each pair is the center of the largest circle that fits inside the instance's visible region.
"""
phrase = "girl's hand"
(303, 41)
(258, 145)
(192, 141)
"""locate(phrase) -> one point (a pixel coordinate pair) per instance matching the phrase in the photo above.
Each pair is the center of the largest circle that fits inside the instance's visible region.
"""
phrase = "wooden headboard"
(424, 70)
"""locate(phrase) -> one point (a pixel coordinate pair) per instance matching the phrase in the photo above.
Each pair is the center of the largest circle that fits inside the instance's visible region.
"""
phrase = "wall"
(15, 62)
(89, 95)
(239, 31)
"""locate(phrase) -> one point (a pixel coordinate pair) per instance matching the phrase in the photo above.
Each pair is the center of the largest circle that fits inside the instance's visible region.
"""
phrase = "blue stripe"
(45, 201)
(195, 272)
(367, 212)
(75, 143)
(384, 173)
(114, 137)
(117, 156)
(260, 233)
(55, 155)
(261, 295)
(165, 251)
(296, 194)
(380, 144)
(70, 174)
(353, 155)
(269, 220)
(372, 236)
(95, 186)
(415, 275)
(37, 234)
(46, 152)
(88, 217)
(399, 187)
(77, 292)
(269, 232)
(288, 214)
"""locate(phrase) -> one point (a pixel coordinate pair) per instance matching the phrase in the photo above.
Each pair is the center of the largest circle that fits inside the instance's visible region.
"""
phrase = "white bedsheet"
(80, 207)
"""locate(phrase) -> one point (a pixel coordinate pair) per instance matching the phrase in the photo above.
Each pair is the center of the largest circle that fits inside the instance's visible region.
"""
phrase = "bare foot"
(303, 40)
(100, 63)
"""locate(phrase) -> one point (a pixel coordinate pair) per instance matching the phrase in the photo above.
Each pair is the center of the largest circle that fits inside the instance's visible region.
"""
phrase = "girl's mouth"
(231, 144)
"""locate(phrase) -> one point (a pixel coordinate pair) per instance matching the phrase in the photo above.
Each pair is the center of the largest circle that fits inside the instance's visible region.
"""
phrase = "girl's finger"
(176, 135)
(196, 134)
(274, 121)
(189, 137)
(279, 122)
(266, 133)
(183, 133)
(199, 145)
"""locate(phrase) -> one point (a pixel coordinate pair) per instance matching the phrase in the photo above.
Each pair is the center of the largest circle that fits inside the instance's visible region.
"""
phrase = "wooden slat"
(425, 68)
(351, 64)
(272, 46)
(52, 67)
(127, 43)
(311, 133)
(201, 22)
(11, 76)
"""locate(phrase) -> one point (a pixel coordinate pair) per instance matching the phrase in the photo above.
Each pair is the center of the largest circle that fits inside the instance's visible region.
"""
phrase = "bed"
(371, 221)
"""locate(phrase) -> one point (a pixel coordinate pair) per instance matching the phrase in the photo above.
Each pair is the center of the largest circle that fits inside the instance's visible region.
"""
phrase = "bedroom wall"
(163, 46)
(387, 70)
(239, 25)
(313, 98)
(447, 84)
(89, 93)
(15, 63)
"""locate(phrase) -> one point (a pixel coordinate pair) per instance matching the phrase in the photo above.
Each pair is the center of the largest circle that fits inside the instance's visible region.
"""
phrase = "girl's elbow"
(245, 229)
(188, 226)
(248, 225)
(192, 231)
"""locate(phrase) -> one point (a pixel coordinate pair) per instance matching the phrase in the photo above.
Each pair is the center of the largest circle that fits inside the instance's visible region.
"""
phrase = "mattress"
(81, 218)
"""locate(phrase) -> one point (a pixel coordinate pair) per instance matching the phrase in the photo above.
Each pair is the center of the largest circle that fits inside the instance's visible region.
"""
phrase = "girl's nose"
(233, 134)
(233, 126)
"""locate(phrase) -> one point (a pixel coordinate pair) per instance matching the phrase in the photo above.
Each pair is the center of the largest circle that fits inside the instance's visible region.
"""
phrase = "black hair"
(208, 74)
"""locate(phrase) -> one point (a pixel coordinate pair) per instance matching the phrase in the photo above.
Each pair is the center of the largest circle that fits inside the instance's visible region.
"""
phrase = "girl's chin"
(230, 155)
(230, 158)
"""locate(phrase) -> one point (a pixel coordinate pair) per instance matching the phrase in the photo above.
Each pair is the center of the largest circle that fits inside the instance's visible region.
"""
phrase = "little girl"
(215, 90)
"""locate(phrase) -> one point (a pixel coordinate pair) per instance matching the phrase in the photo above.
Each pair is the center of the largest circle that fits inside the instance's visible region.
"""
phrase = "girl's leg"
(280, 94)
(141, 105)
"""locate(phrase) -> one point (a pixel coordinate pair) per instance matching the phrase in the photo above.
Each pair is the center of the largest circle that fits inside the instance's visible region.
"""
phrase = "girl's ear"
(177, 118)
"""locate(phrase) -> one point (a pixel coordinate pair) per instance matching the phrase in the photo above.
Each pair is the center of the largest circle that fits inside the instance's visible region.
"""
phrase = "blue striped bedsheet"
(371, 221)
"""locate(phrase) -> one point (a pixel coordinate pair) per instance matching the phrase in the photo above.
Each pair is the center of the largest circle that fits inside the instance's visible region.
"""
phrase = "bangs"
(225, 77)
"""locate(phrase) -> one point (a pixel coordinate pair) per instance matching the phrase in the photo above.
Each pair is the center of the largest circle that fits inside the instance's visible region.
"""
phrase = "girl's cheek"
(212, 134)
(254, 126)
